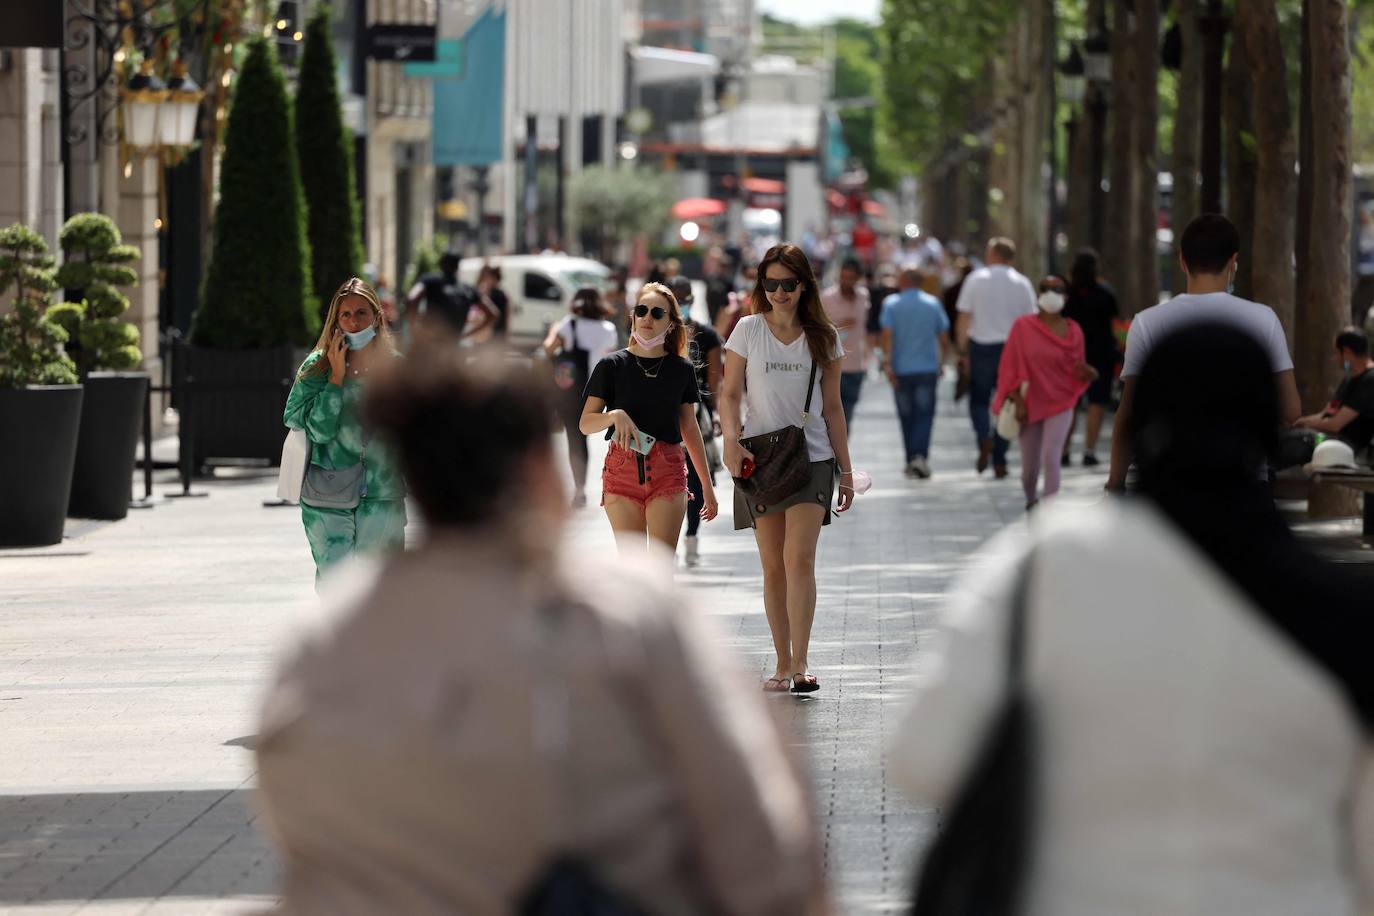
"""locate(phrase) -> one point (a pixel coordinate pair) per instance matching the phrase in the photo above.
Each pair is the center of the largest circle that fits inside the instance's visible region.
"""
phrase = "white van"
(540, 288)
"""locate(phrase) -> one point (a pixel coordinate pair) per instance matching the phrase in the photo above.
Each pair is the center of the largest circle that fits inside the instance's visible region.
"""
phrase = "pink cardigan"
(1033, 354)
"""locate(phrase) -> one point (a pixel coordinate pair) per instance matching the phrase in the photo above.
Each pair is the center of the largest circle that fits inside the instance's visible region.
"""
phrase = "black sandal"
(808, 684)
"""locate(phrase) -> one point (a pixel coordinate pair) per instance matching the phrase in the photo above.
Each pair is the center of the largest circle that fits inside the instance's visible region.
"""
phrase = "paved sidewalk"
(132, 657)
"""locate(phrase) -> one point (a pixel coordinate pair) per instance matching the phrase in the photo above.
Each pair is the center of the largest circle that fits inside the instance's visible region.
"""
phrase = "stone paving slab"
(132, 658)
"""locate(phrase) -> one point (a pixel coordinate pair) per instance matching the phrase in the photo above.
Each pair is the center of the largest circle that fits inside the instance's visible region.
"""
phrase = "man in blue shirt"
(915, 345)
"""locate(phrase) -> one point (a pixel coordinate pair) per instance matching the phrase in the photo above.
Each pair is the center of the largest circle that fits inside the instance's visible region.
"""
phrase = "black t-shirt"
(449, 297)
(653, 403)
(502, 304)
(1093, 308)
(704, 339)
(877, 295)
(717, 296)
(1357, 393)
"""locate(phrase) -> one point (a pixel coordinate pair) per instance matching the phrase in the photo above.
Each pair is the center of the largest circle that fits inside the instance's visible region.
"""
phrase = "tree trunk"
(1079, 180)
(1325, 306)
(1303, 234)
(1187, 152)
(1147, 153)
(1257, 28)
(1035, 93)
(1120, 226)
(1238, 112)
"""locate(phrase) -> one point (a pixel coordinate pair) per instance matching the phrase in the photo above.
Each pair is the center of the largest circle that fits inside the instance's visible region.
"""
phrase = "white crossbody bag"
(295, 457)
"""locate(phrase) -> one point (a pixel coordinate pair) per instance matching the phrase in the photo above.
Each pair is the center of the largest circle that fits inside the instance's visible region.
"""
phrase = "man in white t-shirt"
(848, 304)
(991, 299)
(1207, 251)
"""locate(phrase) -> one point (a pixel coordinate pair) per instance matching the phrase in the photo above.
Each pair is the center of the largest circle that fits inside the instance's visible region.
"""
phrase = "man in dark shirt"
(704, 353)
(1092, 304)
(450, 298)
(1350, 415)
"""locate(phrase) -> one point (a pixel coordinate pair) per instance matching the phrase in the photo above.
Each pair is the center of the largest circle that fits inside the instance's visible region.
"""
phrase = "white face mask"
(1051, 302)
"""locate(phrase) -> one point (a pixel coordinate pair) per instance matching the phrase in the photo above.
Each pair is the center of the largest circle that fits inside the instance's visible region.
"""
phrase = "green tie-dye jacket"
(329, 416)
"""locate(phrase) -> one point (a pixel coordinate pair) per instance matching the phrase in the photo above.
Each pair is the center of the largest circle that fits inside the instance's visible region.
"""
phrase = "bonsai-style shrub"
(257, 287)
(30, 343)
(424, 260)
(96, 263)
(324, 149)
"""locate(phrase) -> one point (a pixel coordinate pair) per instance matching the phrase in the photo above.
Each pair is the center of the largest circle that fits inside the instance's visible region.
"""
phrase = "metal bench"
(1361, 479)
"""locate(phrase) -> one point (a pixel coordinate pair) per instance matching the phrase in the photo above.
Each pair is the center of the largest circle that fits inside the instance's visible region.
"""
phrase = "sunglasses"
(788, 286)
(658, 312)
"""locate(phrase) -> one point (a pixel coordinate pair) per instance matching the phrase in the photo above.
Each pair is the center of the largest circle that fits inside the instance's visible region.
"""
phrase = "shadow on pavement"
(125, 845)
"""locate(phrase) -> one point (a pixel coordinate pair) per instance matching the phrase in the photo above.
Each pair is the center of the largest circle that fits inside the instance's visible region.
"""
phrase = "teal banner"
(447, 63)
(467, 108)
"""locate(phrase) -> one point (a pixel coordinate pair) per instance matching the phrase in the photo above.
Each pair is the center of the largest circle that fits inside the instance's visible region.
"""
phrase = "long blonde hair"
(354, 286)
(676, 343)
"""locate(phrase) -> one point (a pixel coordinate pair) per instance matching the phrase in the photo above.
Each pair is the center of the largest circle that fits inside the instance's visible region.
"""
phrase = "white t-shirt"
(995, 296)
(775, 384)
(1155, 323)
(598, 338)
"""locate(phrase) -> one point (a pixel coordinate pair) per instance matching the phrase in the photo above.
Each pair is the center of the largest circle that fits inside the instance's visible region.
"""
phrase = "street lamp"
(140, 103)
(1074, 85)
(1097, 52)
(177, 120)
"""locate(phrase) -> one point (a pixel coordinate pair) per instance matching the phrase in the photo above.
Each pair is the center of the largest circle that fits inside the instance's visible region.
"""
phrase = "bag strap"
(810, 390)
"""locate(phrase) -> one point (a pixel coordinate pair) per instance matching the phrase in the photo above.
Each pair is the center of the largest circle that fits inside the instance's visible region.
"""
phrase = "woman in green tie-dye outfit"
(324, 402)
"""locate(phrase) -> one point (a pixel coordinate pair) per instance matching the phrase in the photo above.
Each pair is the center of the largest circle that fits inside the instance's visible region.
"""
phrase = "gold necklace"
(657, 369)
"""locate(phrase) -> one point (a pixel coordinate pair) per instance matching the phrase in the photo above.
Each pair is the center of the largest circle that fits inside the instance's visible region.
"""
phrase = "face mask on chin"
(359, 339)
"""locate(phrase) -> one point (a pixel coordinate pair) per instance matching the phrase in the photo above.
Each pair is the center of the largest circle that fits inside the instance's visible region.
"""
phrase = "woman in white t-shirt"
(773, 350)
(577, 344)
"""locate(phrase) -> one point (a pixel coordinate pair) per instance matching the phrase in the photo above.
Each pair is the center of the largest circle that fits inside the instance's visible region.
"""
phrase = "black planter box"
(231, 403)
(40, 425)
(111, 417)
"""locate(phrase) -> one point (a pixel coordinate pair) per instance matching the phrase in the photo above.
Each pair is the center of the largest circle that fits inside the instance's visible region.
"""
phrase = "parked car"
(539, 287)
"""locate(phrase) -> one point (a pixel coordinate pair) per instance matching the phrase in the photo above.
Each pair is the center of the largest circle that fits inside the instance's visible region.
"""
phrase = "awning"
(873, 208)
(764, 186)
(665, 65)
(698, 208)
(467, 110)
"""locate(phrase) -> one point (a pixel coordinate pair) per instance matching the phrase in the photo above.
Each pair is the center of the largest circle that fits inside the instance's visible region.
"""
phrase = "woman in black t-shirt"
(650, 389)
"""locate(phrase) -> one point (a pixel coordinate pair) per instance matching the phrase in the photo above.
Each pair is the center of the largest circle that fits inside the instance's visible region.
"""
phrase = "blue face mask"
(360, 339)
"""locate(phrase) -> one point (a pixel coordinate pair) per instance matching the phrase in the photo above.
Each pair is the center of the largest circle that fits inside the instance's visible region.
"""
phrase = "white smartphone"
(642, 442)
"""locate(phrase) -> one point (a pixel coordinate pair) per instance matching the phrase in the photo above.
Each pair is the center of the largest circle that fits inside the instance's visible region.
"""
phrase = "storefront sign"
(402, 42)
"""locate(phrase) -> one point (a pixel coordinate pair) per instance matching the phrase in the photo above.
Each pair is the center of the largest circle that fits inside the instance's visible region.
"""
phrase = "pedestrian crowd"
(1155, 704)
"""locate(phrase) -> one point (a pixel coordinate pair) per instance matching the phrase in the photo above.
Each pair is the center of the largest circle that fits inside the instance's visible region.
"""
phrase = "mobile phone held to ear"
(642, 442)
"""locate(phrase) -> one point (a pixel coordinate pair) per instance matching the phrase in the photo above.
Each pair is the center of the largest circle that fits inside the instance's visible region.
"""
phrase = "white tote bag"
(1008, 427)
(295, 456)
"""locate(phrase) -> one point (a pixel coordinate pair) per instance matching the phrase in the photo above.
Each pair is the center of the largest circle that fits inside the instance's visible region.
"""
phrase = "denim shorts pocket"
(616, 458)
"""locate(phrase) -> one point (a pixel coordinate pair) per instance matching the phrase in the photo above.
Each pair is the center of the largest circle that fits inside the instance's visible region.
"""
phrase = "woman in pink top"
(1044, 371)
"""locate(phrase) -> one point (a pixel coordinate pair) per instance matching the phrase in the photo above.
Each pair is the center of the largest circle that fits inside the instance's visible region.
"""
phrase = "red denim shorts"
(643, 478)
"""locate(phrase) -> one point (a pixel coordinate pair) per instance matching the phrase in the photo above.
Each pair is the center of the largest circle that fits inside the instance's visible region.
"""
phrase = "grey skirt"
(819, 490)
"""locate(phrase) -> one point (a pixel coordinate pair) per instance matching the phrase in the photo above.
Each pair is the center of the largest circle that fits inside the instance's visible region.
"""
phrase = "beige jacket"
(464, 719)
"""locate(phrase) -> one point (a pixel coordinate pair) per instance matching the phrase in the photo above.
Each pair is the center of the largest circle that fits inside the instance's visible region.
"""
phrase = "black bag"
(782, 462)
(978, 861)
(568, 888)
(570, 369)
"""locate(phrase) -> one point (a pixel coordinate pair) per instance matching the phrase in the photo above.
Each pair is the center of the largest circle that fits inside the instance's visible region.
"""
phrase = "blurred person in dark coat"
(468, 717)
(1199, 678)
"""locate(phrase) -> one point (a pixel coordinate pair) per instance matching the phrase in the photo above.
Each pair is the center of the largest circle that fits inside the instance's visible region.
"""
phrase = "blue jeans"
(916, 410)
(851, 383)
(983, 360)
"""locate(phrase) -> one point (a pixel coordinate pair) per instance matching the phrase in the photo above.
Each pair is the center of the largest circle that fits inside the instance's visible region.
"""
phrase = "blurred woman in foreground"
(1200, 681)
(486, 718)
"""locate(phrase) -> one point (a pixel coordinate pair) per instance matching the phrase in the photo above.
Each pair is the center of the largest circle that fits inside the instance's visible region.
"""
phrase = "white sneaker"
(690, 555)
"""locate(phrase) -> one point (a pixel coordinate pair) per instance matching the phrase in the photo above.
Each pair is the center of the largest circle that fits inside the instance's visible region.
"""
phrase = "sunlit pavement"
(133, 655)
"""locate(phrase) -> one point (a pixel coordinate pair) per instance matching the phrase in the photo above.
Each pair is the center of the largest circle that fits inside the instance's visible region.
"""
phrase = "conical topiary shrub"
(257, 288)
(324, 149)
(30, 343)
(96, 263)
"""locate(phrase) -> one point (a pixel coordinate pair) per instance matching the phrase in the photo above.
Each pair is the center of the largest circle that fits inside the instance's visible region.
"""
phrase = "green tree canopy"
(30, 343)
(620, 203)
(96, 262)
(257, 288)
(324, 150)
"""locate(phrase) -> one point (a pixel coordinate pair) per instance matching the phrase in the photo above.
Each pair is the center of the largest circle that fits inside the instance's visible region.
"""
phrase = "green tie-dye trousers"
(376, 525)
